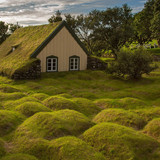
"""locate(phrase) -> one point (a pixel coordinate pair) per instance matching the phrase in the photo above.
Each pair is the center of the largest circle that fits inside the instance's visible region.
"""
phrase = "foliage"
(55, 18)
(3, 31)
(120, 143)
(132, 63)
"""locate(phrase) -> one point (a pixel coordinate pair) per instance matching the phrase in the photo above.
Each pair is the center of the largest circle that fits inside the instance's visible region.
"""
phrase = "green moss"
(11, 105)
(153, 128)
(8, 89)
(2, 148)
(51, 125)
(58, 102)
(120, 116)
(40, 96)
(86, 106)
(19, 156)
(121, 143)
(36, 147)
(125, 103)
(9, 121)
(11, 96)
(65, 95)
(149, 113)
(27, 40)
(72, 148)
(30, 108)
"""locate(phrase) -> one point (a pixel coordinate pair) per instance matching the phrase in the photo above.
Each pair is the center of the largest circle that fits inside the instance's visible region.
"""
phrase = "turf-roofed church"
(46, 48)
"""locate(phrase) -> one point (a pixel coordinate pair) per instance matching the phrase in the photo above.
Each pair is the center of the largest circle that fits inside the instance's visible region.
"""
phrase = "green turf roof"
(26, 40)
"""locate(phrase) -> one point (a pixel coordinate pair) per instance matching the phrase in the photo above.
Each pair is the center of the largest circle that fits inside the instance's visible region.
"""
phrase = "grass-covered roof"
(26, 40)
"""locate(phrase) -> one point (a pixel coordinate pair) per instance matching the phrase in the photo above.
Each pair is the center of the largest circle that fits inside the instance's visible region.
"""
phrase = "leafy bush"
(132, 64)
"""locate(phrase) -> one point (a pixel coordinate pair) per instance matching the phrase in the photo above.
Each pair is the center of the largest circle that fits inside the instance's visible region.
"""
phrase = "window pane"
(49, 60)
(49, 68)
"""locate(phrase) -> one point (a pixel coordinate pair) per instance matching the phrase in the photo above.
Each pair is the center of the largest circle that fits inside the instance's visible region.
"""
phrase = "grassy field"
(85, 115)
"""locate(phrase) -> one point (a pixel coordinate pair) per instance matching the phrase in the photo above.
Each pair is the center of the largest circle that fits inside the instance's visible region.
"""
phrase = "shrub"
(121, 143)
(72, 148)
(120, 116)
(2, 148)
(153, 128)
(19, 156)
(9, 121)
(30, 108)
(132, 64)
(51, 125)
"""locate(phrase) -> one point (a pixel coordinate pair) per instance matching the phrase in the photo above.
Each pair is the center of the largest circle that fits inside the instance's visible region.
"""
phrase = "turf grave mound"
(72, 148)
(50, 125)
(121, 143)
(19, 157)
(40, 96)
(120, 116)
(30, 108)
(9, 120)
(2, 148)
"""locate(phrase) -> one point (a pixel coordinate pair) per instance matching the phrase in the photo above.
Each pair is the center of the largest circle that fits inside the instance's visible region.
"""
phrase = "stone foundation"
(33, 72)
(95, 64)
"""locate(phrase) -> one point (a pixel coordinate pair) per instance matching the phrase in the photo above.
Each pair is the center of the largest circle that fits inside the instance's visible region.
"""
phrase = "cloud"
(38, 11)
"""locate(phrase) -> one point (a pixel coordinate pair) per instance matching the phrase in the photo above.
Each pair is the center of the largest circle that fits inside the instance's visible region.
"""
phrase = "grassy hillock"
(120, 116)
(51, 125)
(80, 115)
(119, 142)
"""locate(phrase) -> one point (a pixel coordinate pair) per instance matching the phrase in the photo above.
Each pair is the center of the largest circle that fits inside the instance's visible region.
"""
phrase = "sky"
(36, 12)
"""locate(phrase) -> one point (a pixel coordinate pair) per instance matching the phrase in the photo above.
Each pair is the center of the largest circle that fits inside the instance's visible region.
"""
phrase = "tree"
(114, 28)
(132, 64)
(155, 22)
(3, 31)
(13, 27)
(55, 18)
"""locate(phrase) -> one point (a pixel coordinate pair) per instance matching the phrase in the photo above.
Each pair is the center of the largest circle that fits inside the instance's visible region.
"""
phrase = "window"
(74, 63)
(52, 64)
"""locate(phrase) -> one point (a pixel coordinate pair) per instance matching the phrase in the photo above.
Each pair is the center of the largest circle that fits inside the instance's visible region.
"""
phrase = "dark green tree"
(3, 31)
(55, 18)
(13, 27)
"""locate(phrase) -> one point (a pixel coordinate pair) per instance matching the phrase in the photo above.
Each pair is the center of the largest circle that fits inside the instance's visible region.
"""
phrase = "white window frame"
(53, 64)
(75, 64)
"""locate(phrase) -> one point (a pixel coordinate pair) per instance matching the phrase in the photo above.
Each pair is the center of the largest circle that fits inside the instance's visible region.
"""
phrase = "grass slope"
(121, 143)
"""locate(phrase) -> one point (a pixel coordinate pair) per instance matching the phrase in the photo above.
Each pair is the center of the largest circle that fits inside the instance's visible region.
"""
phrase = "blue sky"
(35, 12)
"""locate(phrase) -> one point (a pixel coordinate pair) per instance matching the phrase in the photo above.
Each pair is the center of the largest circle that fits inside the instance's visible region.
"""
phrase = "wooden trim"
(78, 62)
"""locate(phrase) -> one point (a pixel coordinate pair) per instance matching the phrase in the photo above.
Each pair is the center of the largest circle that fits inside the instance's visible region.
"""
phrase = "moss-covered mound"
(2, 148)
(36, 147)
(72, 148)
(11, 105)
(30, 108)
(11, 96)
(40, 96)
(149, 113)
(8, 89)
(125, 103)
(153, 128)
(9, 121)
(86, 106)
(51, 125)
(65, 95)
(19, 156)
(120, 116)
(121, 143)
(58, 102)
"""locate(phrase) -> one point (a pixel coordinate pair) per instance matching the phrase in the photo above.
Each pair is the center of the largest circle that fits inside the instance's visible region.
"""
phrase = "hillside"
(85, 115)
